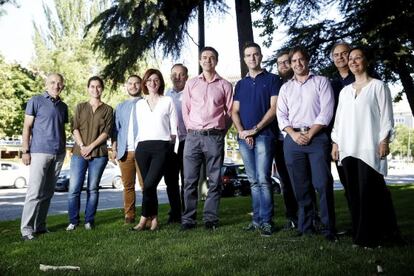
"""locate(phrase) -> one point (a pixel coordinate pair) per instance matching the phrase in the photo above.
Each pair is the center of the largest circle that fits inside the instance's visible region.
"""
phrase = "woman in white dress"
(157, 128)
(363, 129)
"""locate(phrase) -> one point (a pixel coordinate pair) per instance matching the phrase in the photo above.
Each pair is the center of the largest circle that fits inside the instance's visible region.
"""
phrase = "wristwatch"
(24, 151)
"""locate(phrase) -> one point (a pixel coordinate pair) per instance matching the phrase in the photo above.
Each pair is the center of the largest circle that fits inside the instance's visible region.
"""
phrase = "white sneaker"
(88, 226)
(71, 227)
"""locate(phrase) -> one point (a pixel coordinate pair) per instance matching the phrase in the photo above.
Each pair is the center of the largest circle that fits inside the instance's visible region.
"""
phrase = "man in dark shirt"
(291, 205)
(43, 148)
(342, 78)
(253, 114)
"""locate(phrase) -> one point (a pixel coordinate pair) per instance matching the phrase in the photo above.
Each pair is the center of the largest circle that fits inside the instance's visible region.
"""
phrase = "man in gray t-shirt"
(43, 148)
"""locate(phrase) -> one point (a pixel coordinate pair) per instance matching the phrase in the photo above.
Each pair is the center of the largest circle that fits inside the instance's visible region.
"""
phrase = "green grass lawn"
(112, 249)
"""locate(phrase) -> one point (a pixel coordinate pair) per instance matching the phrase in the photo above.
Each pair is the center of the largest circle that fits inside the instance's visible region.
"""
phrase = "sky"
(16, 29)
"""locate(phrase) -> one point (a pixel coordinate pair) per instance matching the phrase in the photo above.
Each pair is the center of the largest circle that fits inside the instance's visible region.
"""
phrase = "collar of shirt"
(53, 100)
(262, 72)
(310, 75)
(215, 78)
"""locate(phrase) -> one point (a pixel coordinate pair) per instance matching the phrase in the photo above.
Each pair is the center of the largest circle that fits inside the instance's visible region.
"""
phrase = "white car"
(13, 174)
(111, 178)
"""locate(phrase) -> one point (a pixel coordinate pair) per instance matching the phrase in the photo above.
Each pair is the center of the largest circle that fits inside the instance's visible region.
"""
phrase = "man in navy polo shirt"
(43, 148)
(254, 113)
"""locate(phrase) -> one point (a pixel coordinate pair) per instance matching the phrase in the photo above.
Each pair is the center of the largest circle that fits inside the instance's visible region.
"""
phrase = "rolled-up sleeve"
(109, 121)
(75, 119)
(186, 104)
(385, 107)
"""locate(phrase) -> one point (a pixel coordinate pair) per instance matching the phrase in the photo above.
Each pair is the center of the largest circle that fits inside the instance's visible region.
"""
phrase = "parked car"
(13, 174)
(235, 180)
(111, 178)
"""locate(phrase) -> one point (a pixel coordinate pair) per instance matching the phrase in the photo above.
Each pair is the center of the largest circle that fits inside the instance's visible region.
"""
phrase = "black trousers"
(174, 169)
(372, 210)
(151, 157)
(291, 204)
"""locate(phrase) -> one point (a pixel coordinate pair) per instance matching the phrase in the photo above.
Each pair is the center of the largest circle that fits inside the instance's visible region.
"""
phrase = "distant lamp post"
(409, 145)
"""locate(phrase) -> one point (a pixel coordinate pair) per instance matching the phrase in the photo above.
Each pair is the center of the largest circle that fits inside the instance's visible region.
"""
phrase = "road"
(12, 200)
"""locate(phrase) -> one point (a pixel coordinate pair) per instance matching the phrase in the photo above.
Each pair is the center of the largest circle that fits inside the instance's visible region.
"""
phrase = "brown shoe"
(129, 220)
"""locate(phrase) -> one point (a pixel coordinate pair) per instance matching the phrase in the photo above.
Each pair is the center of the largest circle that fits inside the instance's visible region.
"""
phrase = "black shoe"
(251, 227)
(332, 238)
(28, 237)
(266, 230)
(44, 231)
(187, 226)
(290, 225)
(209, 225)
(172, 220)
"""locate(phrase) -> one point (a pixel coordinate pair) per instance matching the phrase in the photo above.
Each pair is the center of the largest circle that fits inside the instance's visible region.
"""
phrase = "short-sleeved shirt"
(91, 125)
(48, 131)
(254, 95)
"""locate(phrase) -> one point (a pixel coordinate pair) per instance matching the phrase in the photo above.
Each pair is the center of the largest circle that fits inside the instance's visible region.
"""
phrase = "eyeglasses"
(283, 62)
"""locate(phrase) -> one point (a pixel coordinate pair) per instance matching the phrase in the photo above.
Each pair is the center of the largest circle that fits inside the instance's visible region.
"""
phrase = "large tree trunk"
(244, 29)
(201, 34)
(407, 82)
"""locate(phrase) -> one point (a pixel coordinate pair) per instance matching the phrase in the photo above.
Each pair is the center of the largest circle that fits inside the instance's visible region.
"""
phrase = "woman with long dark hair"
(363, 129)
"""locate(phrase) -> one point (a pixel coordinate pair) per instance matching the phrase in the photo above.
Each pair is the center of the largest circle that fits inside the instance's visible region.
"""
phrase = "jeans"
(258, 163)
(78, 167)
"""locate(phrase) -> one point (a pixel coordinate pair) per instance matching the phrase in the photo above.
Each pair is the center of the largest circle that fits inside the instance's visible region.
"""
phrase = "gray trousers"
(198, 147)
(44, 171)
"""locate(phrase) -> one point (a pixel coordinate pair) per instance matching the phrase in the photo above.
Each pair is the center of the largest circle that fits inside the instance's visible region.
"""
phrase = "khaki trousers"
(129, 169)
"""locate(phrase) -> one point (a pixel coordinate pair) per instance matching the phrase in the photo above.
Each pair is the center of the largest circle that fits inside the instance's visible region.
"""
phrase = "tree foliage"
(3, 2)
(129, 29)
(404, 140)
(17, 85)
(386, 28)
(62, 47)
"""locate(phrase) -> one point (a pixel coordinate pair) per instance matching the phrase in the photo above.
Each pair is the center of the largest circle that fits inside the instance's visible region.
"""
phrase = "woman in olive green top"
(91, 126)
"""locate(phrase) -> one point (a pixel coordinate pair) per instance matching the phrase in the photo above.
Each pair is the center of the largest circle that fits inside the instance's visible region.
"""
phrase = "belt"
(301, 129)
(206, 132)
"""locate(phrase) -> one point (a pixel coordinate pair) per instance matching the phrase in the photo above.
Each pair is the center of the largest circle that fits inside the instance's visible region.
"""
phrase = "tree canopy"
(17, 85)
(128, 29)
(385, 28)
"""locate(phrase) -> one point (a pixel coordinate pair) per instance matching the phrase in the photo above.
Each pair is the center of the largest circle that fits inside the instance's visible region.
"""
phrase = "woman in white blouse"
(157, 128)
(363, 128)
